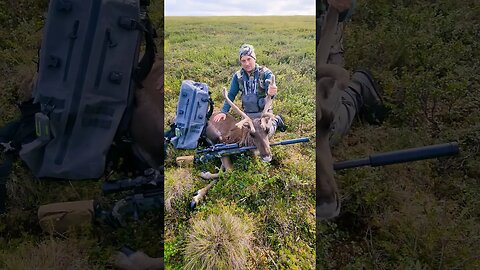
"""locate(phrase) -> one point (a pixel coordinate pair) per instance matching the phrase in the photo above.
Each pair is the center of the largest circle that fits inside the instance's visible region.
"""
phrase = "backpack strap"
(240, 80)
(261, 78)
(146, 63)
(142, 70)
(12, 136)
(203, 137)
(210, 107)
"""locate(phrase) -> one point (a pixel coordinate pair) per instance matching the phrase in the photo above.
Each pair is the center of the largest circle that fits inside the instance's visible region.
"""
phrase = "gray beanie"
(247, 49)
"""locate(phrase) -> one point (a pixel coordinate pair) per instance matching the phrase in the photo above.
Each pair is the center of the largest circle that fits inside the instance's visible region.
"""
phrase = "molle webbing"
(88, 62)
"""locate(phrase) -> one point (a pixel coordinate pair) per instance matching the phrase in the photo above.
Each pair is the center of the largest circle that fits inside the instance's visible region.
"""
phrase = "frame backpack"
(87, 74)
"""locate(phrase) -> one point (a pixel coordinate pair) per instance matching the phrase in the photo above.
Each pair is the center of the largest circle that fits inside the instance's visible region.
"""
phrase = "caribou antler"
(245, 118)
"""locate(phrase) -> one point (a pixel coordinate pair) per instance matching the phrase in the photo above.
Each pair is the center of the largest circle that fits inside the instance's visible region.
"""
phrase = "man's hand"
(272, 90)
(219, 117)
(272, 86)
(340, 5)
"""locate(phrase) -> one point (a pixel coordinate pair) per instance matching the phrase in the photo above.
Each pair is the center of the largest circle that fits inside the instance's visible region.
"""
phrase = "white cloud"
(238, 7)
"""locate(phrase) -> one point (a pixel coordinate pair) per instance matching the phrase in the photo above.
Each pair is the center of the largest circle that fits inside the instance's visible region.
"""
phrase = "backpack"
(87, 73)
(194, 108)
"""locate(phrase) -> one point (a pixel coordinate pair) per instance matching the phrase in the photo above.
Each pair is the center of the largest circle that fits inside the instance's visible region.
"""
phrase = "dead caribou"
(246, 132)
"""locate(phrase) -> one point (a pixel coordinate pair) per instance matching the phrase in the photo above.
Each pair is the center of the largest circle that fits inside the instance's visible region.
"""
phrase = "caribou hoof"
(328, 210)
(266, 158)
(193, 204)
(208, 175)
(197, 197)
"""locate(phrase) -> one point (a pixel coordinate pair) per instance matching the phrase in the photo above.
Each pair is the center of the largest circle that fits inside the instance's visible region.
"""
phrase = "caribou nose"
(266, 158)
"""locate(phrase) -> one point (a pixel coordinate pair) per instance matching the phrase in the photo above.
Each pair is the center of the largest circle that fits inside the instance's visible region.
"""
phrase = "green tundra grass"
(275, 200)
(420, 215)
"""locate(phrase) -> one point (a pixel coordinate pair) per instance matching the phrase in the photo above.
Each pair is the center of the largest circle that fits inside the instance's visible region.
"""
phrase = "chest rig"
(253, 89)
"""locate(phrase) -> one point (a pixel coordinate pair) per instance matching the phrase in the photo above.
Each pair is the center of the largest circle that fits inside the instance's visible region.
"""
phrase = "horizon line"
(263, 15)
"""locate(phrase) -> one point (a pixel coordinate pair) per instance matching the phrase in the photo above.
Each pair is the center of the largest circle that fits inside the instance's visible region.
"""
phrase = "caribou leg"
(200, 194)
(330, 80)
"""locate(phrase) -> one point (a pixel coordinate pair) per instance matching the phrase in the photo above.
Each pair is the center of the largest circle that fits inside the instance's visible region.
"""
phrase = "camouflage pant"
(347, 105)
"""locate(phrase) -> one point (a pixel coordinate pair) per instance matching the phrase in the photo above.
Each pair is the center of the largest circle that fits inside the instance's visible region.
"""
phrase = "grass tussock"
(178, 183)
(221, 241)
(52, 254)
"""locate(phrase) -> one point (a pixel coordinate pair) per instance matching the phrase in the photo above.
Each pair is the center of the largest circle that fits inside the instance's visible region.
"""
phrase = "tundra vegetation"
(259, 215)
(421, 215)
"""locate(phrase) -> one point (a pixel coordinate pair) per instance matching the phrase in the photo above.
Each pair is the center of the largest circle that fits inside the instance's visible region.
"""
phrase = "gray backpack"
(86, 79)
(194, 108)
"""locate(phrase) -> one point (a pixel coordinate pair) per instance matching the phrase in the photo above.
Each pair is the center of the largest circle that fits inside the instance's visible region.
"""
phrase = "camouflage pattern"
(247, 50)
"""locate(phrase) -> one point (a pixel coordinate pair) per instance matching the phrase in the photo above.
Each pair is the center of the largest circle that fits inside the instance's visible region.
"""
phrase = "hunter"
(362, 97)
(254, 82)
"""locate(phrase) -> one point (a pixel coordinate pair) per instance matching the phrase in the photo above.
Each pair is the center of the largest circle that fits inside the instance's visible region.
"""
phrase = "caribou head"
(254, 131)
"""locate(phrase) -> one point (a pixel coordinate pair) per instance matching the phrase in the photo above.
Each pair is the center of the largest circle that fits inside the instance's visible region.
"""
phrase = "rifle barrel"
(286, 142)
(218, 147)
(220, 150)
(128, 184)
(400, 156)
(292, 141)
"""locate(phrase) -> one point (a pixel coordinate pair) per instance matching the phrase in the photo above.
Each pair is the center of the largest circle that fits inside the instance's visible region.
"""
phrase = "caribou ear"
(266, 122)
(249, 126)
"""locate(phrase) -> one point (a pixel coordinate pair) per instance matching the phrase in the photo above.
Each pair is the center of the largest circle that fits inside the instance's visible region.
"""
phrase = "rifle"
(147, 195)
(400, 156)
(220, 150)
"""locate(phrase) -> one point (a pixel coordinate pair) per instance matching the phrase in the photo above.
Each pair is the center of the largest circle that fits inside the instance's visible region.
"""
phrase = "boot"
(369, 95)
(280, 123)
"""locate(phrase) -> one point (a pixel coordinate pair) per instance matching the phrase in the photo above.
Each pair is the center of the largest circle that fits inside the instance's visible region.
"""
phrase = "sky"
(238, 7)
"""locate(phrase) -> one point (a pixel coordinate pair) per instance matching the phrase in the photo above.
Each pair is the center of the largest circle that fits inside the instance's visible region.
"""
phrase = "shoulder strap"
(261, 76)
(239, 79)
(146, 63)
(210, 107)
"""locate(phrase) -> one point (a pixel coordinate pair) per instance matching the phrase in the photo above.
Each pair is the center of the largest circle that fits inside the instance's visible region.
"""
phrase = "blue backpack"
(87, 74)
(194, 108)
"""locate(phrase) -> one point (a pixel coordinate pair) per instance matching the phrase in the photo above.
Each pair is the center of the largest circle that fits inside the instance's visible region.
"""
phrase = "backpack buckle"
(42, 126)
(64, 6)
(7, 147)
(127, 23)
